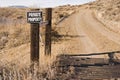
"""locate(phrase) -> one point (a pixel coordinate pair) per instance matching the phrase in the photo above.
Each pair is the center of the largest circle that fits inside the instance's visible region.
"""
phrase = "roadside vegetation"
(15, 38)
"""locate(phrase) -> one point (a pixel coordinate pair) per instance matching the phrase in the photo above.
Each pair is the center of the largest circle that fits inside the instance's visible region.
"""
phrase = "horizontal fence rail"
(91, 54)
(88, 68)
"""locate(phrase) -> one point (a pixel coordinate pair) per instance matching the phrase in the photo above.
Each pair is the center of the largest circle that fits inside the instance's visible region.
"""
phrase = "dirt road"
(92, 35)
(85, 34)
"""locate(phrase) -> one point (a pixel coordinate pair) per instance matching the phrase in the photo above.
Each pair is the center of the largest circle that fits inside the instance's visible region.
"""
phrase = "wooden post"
(111, 58)
(34, 17)
(48, 18)
(35, 42)
(34, 47)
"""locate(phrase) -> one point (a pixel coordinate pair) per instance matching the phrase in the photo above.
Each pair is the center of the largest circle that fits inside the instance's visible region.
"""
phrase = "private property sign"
(34, 17)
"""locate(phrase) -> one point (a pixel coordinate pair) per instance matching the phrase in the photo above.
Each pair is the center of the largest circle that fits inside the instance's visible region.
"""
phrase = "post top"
(35, 9)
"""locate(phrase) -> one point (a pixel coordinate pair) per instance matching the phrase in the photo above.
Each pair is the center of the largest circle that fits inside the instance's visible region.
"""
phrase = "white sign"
(34, 17)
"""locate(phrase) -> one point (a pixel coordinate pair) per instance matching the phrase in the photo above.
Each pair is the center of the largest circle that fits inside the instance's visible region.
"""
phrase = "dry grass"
(14, 71)
(15, 65)
(15, 47)
(107, 11)
(19, 69)
(14, 31)
(14, 34)
(13, 13)
(13, 28)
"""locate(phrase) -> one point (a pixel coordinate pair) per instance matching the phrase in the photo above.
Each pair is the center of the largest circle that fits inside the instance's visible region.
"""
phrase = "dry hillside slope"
(108, 13)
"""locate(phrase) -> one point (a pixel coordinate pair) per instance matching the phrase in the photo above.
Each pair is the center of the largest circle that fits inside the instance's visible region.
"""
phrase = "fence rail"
(92, 54)
(88, 68)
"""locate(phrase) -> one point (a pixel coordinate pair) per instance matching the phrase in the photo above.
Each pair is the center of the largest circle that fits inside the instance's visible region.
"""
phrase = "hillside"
(84, 29)
(14, 29)
(108, 13)
(109, 9)
(15, 38)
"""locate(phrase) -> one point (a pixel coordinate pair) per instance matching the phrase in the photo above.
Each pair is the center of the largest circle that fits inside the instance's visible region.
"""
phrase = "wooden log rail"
(93, 54)
(85, 68)
(110, 55)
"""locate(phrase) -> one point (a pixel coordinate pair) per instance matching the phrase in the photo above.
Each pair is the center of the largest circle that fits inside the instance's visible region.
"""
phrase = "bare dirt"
(92, 35)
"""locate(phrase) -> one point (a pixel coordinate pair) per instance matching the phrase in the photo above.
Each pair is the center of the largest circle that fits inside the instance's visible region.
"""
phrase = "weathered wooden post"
(34, 42)
(111, 58)
(48, 18)
(34, 18)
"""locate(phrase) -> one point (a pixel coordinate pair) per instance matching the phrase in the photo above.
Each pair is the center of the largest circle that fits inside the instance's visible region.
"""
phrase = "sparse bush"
(61, 15)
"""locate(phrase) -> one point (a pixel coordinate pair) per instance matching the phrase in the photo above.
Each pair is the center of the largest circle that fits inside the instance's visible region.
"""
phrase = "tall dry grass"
(19, 69)
(14, 47)
(16, 35)
(21, 72)
(13, 33)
